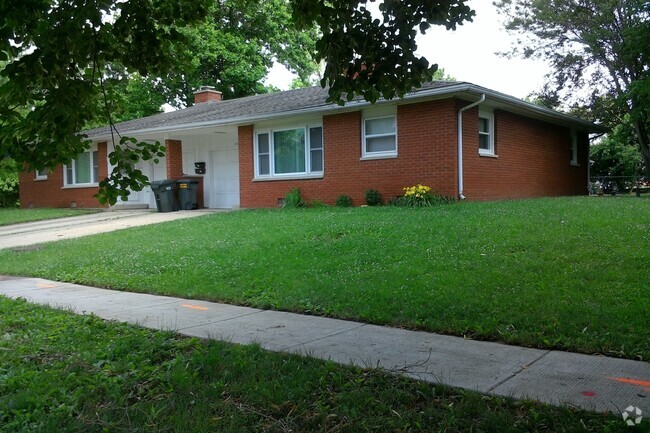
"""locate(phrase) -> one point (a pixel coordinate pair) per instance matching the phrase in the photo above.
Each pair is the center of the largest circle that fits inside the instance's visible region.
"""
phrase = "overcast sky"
(468, 54)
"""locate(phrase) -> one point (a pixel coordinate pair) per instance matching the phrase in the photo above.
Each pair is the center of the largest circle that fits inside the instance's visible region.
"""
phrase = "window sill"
(488, 155)
(289, 177)
(40, 179)
(575, 164)
(80, 186)
(373, 157)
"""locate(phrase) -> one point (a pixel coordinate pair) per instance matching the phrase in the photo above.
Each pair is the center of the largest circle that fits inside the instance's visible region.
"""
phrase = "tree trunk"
(643, 135)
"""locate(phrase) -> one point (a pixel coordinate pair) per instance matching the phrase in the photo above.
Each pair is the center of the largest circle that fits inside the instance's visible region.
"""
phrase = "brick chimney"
(207, 94)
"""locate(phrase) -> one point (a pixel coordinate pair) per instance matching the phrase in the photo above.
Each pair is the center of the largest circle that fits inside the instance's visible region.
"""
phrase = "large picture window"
(84, 170)
(379, 137)
(289, 152)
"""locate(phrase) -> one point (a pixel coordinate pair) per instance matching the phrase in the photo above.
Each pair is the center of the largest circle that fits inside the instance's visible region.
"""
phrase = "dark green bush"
(344, 201)
(293, 198)
(8, 183)
(373, 198)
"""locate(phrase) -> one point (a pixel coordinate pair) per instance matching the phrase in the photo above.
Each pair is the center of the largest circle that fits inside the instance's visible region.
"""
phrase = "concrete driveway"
(26, 234)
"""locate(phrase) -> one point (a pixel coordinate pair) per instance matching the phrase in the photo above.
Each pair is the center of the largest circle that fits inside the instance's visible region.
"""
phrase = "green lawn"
(569, 273)
(65, 373)
(15, 216)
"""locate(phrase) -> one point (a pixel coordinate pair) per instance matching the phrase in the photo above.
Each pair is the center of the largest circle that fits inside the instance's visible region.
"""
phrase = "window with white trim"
(316, 149)
(42, 174)
(574, 147)
(486, 133)
(84, 170)
(379, 137)
(289, 152)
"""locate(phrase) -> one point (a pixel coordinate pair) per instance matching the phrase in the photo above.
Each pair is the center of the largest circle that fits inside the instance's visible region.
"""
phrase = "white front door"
(138, 197)
(225, 177)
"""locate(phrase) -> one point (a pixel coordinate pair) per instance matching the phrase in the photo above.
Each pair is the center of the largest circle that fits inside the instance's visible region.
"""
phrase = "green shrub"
(293, 198)
(8, 183)
(397, 201)
(317, 204)
(344, 201)
(373, 198)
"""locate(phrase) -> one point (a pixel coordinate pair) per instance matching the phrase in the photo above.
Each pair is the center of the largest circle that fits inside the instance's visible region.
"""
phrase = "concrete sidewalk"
(560, 378)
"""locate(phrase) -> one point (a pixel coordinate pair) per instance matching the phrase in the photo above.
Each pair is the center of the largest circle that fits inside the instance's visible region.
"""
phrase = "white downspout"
(589, 166)
(460, 144)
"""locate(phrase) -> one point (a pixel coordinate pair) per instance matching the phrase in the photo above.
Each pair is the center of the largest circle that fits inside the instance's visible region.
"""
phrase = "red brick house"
(462, 140)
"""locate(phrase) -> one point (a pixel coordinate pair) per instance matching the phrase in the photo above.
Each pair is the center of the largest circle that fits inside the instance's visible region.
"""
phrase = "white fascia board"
(516, 105)
(535, 111)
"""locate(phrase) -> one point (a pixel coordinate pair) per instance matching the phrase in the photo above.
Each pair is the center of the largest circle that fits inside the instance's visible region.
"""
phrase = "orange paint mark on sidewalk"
(46, 286)
(643, 383)
(194, 307)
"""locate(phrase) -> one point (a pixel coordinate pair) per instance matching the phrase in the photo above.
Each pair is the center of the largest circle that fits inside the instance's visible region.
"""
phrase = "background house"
(256, 149)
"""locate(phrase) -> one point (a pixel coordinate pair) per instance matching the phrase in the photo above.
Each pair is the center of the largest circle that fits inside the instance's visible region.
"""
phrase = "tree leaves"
(370, 57)
(235, 46)
(125, 177)
(61, 53)
(597, 49)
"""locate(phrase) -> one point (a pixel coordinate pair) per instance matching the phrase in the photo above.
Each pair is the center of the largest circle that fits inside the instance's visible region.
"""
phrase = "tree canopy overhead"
(234, 46)
(60, 52)
(599, 52)
(373, 57)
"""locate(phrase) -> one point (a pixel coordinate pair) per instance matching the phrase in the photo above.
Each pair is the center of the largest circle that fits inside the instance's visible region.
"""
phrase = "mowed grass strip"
(15, 216)
(569, 273)
(62, 372)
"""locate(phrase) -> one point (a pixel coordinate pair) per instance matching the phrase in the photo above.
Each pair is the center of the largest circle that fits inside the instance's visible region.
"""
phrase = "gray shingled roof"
(268, 104)
(272, 105)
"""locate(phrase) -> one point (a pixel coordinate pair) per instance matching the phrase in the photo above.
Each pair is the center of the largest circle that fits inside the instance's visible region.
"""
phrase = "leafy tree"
(441, 75)
(375, 57)
(599, 51)
(8, 169)
(135, 98)
(60, 53)
(8, 182)
(234, 47)
(617, 153)
(128, 96)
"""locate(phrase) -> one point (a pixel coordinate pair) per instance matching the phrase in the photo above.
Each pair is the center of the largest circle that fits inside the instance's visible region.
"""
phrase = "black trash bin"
(164, 192)
(187, 194)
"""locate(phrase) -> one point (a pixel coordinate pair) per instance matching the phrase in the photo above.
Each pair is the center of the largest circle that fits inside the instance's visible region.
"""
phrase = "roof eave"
(459, 89)
(324, 108)
(537, 111)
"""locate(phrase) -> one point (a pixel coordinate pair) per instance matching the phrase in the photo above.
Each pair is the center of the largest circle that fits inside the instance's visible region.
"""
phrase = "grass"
(566, 273)
(65, 373)
(15, 216)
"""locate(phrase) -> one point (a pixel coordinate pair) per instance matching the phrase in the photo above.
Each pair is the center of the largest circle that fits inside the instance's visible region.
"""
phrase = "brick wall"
(426, 154)
(533, 159)
(51, 193)
(174, 158)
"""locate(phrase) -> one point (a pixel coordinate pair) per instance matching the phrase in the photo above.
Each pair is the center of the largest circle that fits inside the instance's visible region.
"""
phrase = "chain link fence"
(619, 185)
